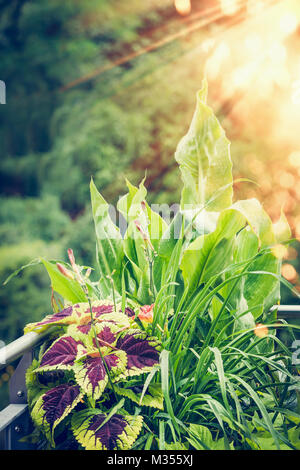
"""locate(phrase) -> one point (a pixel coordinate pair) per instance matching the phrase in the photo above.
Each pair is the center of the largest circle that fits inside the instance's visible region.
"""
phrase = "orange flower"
(261, 330)
(146, 313)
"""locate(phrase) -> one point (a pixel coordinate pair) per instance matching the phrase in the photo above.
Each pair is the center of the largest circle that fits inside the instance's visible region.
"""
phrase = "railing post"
(17, 383)
(15, 421)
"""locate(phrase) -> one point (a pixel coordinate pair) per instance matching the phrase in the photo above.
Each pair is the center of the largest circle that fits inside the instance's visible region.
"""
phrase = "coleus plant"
(84, 368)
(173, 344)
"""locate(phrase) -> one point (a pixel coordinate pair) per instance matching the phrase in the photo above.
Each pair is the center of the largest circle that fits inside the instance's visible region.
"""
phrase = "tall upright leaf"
(204, 159)
(109, 242)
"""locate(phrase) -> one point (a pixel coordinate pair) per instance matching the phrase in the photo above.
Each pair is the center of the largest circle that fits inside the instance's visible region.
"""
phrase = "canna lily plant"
(175, 346)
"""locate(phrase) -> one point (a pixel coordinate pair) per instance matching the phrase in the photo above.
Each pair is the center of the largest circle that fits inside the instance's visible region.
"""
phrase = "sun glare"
(183, 7)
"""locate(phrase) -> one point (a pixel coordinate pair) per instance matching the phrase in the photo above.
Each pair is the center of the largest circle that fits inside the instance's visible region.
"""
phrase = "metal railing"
(15, 421)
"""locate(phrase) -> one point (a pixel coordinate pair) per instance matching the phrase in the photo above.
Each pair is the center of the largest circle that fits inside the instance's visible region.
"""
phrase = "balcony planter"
(173, 346)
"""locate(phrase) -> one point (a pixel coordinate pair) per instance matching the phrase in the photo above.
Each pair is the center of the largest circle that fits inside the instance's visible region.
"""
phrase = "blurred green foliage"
(53, 141)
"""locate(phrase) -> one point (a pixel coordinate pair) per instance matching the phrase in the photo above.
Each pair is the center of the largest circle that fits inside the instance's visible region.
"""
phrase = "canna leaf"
(282, 229)
(109, 243)
(134, 207)
(211, 253)
(69, 289)
(204, 160)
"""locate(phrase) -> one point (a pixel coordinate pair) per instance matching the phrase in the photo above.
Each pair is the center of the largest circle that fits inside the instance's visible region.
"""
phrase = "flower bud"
(65, 271)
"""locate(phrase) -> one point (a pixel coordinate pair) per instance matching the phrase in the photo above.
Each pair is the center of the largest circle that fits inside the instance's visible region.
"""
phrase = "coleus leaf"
(129, 312)
(93, 433)
(33, 386)
(61, 354)
(153, 397)
(53, 406)
(141, 351)
(91, 372)
(61, 318)
(79, 314)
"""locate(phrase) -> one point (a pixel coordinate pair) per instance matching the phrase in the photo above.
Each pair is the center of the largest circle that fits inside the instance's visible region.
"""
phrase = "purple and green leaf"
(94, 431)
(53, 406)
(61, 354)
(142, 351)
(91, 370)
(80, 315)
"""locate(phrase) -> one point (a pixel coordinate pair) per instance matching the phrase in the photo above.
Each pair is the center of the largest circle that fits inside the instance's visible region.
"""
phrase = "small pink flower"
(146, 313)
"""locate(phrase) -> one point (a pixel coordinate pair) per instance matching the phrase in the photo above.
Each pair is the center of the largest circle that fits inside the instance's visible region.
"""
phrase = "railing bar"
(17, 348)
(9, 414)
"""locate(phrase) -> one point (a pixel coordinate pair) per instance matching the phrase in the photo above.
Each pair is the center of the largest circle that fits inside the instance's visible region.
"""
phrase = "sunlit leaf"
(204, 159)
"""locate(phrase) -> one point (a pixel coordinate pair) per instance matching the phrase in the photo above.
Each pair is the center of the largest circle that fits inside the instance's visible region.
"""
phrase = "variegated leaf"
(94, 433)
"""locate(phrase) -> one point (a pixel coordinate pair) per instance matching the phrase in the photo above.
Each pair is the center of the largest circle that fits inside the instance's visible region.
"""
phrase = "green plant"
(198, 292)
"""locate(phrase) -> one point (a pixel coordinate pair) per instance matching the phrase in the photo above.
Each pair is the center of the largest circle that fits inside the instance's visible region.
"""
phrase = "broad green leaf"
(204, 159)
(254, 289)
(134, 207)
(282, 229)
(209, 254)
(109, 243)
(153, 397)
(69, 289)
(176, 446)
(203, 435)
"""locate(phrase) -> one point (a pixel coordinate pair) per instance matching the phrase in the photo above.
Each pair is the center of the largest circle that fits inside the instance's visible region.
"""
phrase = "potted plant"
(174, 346)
